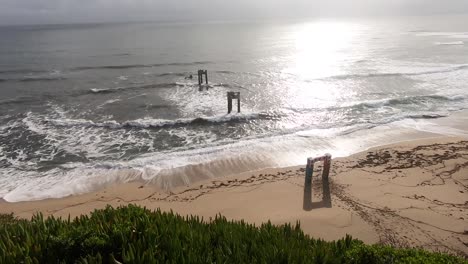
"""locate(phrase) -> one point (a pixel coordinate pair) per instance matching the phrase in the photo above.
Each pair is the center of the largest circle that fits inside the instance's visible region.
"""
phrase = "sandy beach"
(410, 194)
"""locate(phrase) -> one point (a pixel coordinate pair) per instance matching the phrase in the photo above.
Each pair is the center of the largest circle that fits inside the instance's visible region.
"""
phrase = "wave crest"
(396, 74)
(132, 66)
(408, 100)
(158, 123)
(450, 43)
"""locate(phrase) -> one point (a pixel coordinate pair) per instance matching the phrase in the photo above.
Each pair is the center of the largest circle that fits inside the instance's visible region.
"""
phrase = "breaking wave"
(139, 87)
(156, 86)
(427, 116)
(22, 71)
(131, 66)
(396, 74)
(408, 100)
(31, 78)
(18, 100)
(179, 74)
(450, 43)
(159, 123)
(40, 79)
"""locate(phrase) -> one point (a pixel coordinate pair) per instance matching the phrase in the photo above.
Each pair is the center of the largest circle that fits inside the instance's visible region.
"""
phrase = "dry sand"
(412, 194)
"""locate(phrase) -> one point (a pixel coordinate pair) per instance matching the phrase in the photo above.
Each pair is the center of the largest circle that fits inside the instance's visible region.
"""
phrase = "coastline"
(411, 194)
(171, 170)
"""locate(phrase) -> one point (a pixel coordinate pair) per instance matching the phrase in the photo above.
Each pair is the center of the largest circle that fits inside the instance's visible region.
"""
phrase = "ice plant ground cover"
(133, 234)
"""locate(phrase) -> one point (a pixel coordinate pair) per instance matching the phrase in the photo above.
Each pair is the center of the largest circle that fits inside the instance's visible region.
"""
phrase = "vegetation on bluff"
(133, 234)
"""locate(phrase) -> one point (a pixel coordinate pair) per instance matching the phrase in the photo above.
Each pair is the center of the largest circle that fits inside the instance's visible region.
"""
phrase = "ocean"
(86, 106)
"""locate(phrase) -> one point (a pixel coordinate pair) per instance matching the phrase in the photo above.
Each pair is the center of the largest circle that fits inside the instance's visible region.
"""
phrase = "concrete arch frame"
(326, 198)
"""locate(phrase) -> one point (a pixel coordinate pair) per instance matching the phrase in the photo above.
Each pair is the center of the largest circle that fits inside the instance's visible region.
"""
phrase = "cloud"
(73, 11)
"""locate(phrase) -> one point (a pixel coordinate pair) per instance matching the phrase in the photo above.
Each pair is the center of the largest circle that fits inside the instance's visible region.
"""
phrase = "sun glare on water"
(318, 51)
(321, 49)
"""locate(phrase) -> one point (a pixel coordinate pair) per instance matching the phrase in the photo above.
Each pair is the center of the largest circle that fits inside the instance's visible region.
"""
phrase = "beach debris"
(326, 198)
(231, 96)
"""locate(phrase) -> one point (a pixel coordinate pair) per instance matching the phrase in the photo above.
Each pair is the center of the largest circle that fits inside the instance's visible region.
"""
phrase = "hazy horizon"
(31, 12)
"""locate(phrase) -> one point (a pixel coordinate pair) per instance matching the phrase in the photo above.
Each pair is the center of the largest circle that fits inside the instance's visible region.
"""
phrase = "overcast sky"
(78, 11)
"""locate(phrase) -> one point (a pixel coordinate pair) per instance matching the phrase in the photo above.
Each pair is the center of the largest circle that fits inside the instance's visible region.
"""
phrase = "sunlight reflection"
(321, 48)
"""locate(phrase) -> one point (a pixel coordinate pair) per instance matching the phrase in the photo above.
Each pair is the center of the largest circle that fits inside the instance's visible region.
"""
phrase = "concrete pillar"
(325, 181)
(200, 77)
(231, 96)
(307, 200)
